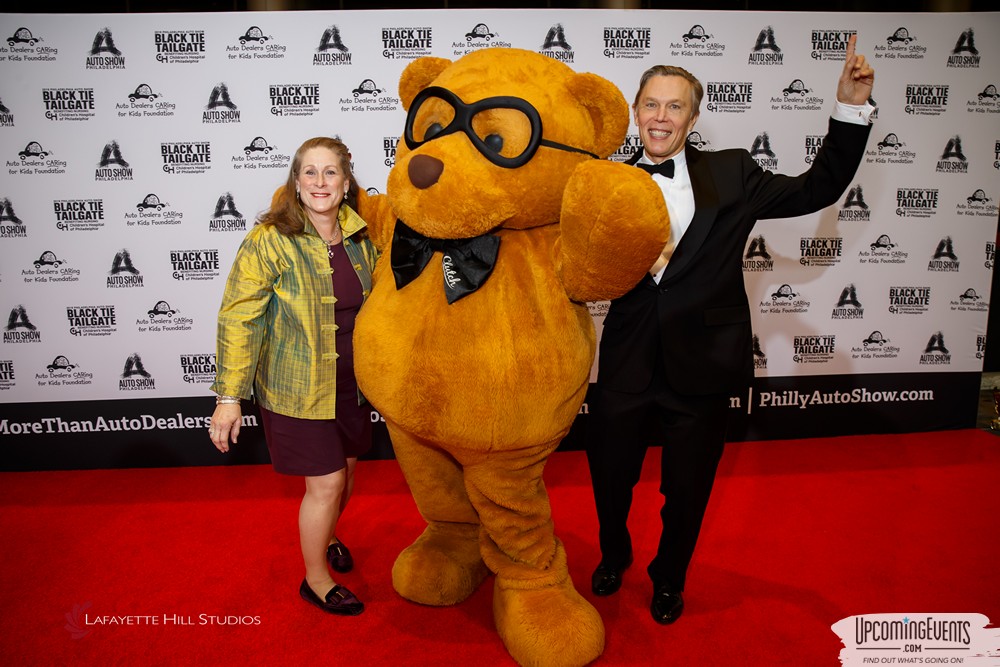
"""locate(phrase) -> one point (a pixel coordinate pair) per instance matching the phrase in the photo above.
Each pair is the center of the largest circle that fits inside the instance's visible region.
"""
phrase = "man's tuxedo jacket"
(696, 321)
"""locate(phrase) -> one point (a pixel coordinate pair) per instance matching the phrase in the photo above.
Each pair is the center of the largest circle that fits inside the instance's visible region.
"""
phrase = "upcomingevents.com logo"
(900, 639)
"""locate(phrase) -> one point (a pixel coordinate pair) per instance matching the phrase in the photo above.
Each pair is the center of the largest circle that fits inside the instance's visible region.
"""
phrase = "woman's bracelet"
(227, 400)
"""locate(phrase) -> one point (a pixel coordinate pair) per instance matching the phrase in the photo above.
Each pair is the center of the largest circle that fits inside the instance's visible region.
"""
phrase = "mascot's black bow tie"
(466, 263)
(665, 168)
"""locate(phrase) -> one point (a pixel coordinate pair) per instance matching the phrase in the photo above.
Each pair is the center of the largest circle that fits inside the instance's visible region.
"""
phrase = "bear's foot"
(548, 627)
(442, 567)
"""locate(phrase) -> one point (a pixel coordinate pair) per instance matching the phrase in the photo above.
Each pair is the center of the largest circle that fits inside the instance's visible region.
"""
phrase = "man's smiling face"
(665, 116)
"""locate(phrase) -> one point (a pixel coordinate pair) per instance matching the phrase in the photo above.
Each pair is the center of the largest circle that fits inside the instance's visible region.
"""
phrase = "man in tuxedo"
(678, 345)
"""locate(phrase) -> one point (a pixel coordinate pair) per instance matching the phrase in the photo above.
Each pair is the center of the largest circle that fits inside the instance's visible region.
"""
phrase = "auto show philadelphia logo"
(226, 217)
(965, 55)
(331, 52)
(11, 226)
(855, 209)
(935, 353)
(6, 117)
(765, 50)
(556, 46)
(944, 258)
(757, 259)
(220, 107)
(112, 165)
(123, 274)
(848, 306)
(762, 153)
(103, 52)
(19, 328)
(134, 376)
(759, 358)
(918, 638)
(953, 160)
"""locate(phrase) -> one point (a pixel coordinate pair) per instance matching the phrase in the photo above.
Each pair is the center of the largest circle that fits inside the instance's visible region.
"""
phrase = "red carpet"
(799, 535)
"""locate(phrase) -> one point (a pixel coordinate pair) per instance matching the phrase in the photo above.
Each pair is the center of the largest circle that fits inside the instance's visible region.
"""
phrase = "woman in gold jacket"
(285, 336)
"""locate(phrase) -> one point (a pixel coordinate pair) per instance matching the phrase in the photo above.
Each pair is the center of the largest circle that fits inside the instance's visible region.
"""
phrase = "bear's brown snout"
(424, 171)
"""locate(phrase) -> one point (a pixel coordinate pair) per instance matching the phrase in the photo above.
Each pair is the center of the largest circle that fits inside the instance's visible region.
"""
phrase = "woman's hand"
(224, 427)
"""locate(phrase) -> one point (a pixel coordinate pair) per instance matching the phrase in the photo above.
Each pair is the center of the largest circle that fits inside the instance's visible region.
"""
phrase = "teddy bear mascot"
(501, 218)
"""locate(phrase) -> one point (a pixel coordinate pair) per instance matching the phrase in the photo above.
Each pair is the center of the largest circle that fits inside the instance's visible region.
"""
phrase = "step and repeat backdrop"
(138, 149)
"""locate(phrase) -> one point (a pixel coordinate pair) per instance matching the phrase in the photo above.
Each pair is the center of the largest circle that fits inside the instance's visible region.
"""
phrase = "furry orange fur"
(478, 393)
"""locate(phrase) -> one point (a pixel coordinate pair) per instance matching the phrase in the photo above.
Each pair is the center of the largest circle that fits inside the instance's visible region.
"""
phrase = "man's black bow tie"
(665, 168)
(466, 263)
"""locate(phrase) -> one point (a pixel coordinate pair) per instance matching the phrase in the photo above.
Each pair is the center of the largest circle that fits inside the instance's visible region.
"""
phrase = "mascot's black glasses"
(506, 130)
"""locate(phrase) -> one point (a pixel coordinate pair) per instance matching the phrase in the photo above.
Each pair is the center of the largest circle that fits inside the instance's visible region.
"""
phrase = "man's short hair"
(697, 92)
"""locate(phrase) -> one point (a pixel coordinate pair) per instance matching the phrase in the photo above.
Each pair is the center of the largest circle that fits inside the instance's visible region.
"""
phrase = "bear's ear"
(607, 108)
(418, 75)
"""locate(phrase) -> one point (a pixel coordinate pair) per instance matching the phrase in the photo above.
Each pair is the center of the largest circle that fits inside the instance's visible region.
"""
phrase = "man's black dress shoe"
(338, 601)
(667, 606)
(339, 557)
(606, 579)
